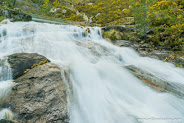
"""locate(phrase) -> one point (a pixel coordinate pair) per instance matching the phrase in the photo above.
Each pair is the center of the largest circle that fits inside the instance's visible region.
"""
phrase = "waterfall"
(6, 114)
(6, 84)
(103, 91)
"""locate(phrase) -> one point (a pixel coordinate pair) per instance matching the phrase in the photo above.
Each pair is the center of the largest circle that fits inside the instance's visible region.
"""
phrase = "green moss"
(26, 71)
(179, 65)
(2, 18)
(117, 35)
(38, 64)
(113, 35)
(35, 65)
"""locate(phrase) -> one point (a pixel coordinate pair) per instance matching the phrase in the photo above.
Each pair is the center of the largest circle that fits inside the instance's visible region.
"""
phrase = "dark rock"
(40, 96)
(126, 43)
(123, 43)
(157, 83)
(119, 28)
(4, 33)
(180, 61)
(160, 54)
(164, 47)
(8, 121)
(19, 62)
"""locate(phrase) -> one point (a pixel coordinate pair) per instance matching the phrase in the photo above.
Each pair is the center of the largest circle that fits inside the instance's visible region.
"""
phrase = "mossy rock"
(114, 35)
(2, 18)
(20, 63)
(179, 65)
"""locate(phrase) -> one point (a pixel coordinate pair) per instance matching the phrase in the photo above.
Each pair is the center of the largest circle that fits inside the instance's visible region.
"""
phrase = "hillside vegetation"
(163, 18)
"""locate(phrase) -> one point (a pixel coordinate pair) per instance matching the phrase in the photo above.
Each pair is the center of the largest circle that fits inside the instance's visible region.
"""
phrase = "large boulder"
(20, 62)
(40, 96)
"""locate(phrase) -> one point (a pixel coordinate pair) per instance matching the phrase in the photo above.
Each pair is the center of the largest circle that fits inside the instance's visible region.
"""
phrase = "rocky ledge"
(8, 121)
(161, 53)
(40, 94)
(157, 83)
(119, 28)
(126, 36)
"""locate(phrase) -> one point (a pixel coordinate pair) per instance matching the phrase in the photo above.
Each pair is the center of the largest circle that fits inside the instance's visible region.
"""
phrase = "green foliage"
(2, 18)
(117, 35)
(46, 6)
(167, 18)
(60, 11)
(27, 70)
(113, 35)
(110, 11)
(8, 3)
(179, 65)
(38, 64)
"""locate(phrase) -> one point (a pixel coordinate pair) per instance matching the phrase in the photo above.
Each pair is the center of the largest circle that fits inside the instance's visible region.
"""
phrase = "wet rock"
(126, 43)
(174, 57)
(123, 43)
(4, 33)
(157, 83)
(96, 49)
(40, 96)
(117, 34)
(112, 35)
(8, 121)
(119, 28)
(19, 62)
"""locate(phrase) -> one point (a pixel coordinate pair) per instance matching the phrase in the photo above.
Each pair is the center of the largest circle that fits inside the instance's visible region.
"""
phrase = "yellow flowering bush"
(167, 17)
(110, 11)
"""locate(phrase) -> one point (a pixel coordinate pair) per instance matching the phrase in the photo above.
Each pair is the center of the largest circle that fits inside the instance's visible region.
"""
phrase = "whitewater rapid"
(103, 91)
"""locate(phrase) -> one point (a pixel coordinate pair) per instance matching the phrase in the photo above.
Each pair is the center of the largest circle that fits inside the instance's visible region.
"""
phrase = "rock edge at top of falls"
(39, 96)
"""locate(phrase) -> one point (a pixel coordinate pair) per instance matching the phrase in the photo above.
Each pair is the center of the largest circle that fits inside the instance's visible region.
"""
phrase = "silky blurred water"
(102, 90)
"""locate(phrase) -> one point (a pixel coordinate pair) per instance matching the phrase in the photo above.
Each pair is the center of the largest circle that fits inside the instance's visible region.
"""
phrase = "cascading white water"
(103, 90)
(6, 84)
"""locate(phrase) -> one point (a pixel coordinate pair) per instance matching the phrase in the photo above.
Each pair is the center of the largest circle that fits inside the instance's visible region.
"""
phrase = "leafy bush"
(106, 11)
(2, 18)
(167, 17)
